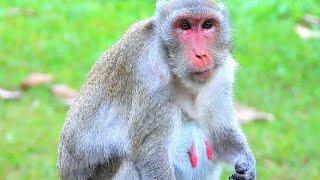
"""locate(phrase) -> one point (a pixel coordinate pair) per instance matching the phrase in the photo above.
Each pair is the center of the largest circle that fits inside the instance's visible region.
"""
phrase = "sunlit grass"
(279, 73)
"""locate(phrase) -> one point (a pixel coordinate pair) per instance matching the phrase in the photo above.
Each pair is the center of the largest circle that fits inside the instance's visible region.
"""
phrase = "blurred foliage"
(279, 73)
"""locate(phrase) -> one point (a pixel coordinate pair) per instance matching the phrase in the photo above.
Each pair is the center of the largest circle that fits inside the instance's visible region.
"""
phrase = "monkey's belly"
(191, 152)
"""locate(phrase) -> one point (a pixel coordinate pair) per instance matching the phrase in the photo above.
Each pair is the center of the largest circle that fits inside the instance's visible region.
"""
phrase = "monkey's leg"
(72, 166)
(69, 167)
(92, 145)
(127, 170)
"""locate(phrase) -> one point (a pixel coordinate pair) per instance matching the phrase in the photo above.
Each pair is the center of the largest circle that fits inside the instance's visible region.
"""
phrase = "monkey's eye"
(186, 25)
(207, 24)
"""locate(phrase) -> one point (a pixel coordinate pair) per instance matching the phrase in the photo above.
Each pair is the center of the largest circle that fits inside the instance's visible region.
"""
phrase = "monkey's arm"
(231, 145)
(151, 127)
(229, 142)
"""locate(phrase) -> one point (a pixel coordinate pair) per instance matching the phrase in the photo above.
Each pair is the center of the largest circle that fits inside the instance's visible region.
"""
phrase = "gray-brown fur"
(112, 79)
(122, 123)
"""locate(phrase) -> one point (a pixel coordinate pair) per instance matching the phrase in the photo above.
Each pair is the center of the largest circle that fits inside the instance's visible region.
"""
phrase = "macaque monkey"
(159, 103)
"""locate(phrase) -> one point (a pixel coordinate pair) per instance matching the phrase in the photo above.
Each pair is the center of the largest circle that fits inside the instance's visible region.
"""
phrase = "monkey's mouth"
(203, 75)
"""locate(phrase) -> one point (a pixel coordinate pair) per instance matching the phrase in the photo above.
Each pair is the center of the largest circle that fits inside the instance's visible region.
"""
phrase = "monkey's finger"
(238, 177)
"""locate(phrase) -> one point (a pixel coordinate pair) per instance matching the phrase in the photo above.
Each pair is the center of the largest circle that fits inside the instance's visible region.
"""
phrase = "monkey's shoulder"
(146, 26)
(137, 37)
(116, 67)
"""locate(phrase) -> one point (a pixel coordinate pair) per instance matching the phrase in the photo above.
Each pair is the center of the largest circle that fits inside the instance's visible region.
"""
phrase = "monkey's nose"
(202, 56)
(201, 60)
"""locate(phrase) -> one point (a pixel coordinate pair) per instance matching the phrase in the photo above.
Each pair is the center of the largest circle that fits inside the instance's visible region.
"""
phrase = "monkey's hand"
(245, 170)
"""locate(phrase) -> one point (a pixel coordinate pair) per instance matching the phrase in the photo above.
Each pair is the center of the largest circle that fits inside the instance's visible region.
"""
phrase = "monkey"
(159, 103)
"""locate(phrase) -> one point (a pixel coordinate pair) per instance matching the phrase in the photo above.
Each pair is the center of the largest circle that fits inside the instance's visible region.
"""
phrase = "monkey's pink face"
(197, 34)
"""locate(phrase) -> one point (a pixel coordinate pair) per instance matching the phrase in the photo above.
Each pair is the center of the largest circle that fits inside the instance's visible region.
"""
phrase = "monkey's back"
(101, 92)
(115, 68)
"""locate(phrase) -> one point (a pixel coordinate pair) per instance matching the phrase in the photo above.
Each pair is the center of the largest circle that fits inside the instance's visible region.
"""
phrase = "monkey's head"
(196, 38)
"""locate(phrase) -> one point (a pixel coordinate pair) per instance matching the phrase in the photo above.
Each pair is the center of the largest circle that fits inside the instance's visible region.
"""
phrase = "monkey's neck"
(187, 100)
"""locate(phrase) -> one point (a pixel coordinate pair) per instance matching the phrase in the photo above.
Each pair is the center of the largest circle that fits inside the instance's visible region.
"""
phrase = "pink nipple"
(193, 156)
(209, 150)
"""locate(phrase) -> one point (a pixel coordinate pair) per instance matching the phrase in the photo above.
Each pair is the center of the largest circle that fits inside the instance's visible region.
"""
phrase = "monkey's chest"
(191, 152)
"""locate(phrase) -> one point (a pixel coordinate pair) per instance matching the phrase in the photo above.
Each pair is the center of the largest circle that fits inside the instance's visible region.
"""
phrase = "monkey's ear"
(162, 5)
(161, 1)
(222, 6)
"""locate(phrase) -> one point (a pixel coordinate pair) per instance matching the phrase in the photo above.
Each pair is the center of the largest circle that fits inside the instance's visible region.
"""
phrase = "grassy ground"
(280, 73)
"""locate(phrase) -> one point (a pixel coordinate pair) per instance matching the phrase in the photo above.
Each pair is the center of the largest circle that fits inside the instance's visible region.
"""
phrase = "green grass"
(280, 73)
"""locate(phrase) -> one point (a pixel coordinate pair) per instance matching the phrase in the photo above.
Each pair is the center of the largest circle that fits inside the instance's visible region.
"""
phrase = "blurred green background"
(279, 73)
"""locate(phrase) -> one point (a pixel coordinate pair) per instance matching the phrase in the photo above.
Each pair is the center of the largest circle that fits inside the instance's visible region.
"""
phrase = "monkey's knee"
(70, 167)
(127, 171)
